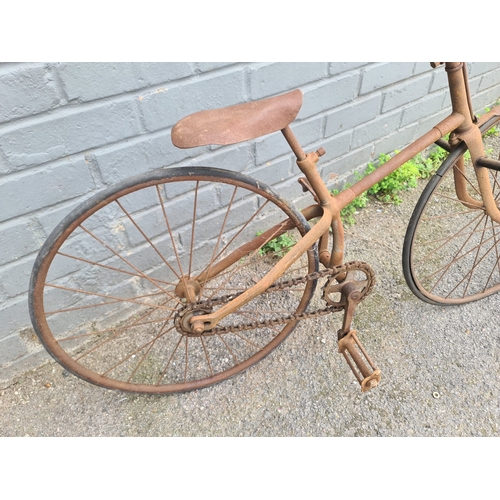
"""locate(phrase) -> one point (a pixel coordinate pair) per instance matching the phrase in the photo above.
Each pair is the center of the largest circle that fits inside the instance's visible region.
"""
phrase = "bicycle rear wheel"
(451, 251)
(107, 293)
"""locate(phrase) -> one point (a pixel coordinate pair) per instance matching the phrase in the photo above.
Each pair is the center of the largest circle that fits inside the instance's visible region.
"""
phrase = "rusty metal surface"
(250, 120)
(347, 288)
(304, 389)
(470, 133)
(489, 163)
(210, 321)
(238, 123)
(438, 131)
(365, 371)
(331, 305)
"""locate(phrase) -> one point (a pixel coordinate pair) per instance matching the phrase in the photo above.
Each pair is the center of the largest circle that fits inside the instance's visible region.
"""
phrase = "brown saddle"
(238, 123)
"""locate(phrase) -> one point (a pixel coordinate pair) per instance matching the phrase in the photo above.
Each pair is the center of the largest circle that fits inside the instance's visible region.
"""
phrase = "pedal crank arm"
(351, 298)
(365, 371)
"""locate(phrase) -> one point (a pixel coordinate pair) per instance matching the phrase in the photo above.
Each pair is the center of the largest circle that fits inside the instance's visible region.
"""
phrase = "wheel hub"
(187, 289)
(183, 320)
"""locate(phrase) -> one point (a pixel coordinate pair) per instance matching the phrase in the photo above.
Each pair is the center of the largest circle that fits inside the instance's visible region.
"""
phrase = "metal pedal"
(367, 374)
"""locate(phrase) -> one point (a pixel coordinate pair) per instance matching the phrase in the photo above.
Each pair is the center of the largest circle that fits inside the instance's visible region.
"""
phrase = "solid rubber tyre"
(451, 251)
(103, 297)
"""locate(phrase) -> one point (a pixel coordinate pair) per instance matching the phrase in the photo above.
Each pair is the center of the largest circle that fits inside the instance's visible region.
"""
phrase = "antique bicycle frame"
(461, 124)
(195, 318)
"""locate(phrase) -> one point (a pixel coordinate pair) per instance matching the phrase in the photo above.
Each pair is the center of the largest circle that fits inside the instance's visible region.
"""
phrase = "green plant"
(428, 166)
(402, 179)
(406, 176)
(493, 131)
(278, 246)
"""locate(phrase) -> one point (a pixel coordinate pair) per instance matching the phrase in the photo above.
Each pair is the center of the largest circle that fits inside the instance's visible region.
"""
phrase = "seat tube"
(307, 164)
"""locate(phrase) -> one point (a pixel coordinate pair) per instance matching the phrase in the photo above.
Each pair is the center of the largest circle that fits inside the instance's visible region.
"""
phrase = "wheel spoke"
(473, 186)
(120, 329)
(153, 246)
(69, 309)
(207, 356)
(111, 268)
(167, 223)
(239, 267)
(117, 299)
(124, 260)
(221, 232)
(221, 337)
(187, 359)
(449, 239)
(163, 373)
(451, 253)
(147, 345)
(474, 266)
(248, 341)
(456, 258)
(241, 230)
(113, 309)
(497, 256)
(117, 333)
(475, 263)
(195, 203)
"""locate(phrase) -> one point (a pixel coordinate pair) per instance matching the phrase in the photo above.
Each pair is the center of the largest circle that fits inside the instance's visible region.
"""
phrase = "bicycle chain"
(327, 273)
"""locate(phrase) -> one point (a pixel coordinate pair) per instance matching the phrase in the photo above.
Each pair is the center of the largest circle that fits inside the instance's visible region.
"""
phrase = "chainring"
(359, 274)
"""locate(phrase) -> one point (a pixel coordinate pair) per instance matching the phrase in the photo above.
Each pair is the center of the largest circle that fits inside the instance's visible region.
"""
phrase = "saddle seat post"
(307, 164)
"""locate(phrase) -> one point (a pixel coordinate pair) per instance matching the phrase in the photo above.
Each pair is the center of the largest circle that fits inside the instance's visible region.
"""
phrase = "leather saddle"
(237, 123)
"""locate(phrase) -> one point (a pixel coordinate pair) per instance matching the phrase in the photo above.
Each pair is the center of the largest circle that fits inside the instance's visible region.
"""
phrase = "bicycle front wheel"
(451, 252)
(116, 283)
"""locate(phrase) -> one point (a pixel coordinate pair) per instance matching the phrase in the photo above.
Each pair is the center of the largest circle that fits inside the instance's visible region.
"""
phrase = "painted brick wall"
(69, 129)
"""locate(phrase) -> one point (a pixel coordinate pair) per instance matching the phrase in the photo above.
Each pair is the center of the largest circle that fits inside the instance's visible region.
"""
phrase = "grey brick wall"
(69, 129)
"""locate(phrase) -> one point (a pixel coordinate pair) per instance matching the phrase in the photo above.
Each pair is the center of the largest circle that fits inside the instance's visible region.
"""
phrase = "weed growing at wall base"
(389, 188)
(277, 247)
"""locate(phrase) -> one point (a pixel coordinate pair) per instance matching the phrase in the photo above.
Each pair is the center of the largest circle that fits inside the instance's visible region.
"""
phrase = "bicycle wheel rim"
(450, 250)
(92, 206)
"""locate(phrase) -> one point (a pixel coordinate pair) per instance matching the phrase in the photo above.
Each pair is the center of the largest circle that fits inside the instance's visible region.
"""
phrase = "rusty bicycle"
(173, 280)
